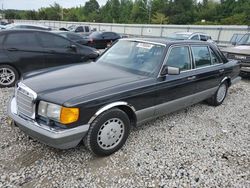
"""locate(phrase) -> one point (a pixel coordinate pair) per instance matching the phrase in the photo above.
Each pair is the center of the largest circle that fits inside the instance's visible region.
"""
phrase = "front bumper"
(57, 138)
(245, 68)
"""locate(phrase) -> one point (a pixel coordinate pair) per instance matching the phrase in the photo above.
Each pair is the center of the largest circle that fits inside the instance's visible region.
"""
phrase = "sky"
(36, 4)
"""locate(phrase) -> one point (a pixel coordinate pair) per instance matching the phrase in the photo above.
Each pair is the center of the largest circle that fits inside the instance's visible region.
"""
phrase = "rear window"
(203, 38)
(95, 35)
(86, 29)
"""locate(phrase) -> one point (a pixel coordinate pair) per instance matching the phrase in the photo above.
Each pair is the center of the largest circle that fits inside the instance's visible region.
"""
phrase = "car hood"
(60, 85)
(241, 49)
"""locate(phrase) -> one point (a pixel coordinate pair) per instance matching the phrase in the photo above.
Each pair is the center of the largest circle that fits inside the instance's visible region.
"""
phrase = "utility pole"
(149, 11)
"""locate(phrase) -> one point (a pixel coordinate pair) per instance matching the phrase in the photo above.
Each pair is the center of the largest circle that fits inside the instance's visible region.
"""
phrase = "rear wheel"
(8, 76)
(108, 132)
(218, 98)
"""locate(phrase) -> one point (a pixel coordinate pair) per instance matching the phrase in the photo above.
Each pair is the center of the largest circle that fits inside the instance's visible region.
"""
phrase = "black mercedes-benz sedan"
(134, 81)
(22, 51)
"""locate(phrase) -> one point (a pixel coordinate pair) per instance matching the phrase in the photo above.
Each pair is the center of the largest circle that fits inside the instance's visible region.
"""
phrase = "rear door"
(24, 50)
(58, 50)
(208, 67)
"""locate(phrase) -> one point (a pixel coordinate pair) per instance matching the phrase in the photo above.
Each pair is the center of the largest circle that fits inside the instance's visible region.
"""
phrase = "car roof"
(190, 33)
(164, 41)
(68, 32)
(25, 30)
(35, 25)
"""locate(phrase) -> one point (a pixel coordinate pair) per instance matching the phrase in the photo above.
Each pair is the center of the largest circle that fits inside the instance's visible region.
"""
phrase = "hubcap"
(110, 133)
(7, 76)
(221, 93)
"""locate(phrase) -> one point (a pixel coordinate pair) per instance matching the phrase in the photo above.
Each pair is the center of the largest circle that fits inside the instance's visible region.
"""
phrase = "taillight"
(91, 41)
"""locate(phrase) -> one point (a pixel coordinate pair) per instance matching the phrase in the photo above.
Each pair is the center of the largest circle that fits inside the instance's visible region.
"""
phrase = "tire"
(108, 132)
(220, 95)
(8, 76)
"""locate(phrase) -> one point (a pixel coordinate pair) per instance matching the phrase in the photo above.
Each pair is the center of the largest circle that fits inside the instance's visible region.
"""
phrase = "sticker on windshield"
(145, 45)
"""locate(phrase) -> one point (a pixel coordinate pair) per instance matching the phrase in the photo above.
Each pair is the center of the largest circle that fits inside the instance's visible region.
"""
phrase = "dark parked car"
(28, 26)
(101, 40)
(27, 50)
(132, 82)
(240, 52)
(72, 36)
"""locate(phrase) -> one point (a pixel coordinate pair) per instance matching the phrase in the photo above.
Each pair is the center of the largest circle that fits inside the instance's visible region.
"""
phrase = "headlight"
(58, 113)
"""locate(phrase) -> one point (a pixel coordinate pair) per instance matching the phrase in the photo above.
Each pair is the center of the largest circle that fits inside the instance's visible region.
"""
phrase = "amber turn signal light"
(69, 115)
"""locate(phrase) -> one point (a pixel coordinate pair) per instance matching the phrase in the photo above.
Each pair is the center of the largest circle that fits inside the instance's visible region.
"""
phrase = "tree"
(139, 12)
(159, 18)
(91, 6)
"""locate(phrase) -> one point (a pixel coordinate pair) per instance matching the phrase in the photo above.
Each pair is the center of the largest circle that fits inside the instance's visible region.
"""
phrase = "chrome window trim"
(207, 46)
(166, 57)
(219, 58)
(193, 67)
(145, 41)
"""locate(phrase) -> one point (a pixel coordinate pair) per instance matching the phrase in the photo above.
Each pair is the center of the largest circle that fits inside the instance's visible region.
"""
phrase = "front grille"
(25, 101)
(242, 58)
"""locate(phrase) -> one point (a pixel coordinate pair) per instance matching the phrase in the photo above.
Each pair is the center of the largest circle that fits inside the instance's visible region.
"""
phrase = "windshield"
(178, 36)
(71, 28)
(245, 40)
(133, 56)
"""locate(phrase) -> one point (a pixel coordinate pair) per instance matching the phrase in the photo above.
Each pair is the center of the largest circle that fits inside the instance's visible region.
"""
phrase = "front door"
(176, 91)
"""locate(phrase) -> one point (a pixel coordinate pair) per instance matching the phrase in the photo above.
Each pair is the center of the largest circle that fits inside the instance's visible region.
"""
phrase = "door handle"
(222, 70)
(12, 49)
(191, 77)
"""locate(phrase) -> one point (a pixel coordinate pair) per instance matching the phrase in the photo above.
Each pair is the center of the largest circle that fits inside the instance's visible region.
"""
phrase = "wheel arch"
(228, 80)
(124, 106)
(11, 65)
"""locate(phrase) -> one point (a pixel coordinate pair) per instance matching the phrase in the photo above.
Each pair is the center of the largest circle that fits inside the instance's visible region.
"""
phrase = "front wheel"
(8, 76)
(218, 98)
(108, 132)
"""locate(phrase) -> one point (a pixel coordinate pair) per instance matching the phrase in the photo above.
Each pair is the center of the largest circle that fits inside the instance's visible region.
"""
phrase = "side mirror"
(234, 43)
(73, 47)
(170, 70)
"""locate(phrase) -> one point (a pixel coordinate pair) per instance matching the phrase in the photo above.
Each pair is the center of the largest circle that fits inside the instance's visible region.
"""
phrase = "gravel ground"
(200, 146)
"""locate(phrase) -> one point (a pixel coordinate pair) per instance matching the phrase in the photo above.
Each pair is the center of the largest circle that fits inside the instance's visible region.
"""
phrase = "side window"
(1, 39)
(86, 29)
(203, 38)
(108, 35)
(53, 41)
(74, 37)
(21, 40)
(79, 29)
(215, 58)
(201, 56)
(195, 37)
(179, 57)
